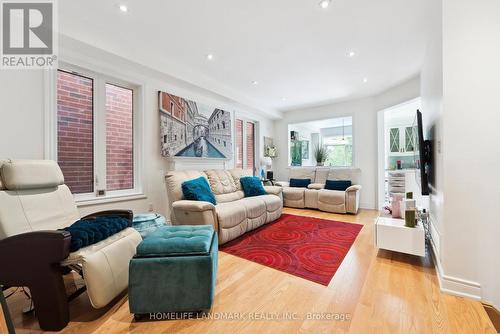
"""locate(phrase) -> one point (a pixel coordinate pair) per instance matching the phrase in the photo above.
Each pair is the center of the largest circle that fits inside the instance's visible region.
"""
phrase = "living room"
(227, 167)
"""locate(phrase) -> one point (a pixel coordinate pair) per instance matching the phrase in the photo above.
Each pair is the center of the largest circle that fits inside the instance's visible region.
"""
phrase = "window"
(96, 133)
(239, 144)
(75, 124)
(335, 135)
(339, 151)
(245, 149)
(119, 138)
(250, 135)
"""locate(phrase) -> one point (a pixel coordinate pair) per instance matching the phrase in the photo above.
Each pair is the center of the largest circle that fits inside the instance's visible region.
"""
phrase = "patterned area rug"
(307, 247)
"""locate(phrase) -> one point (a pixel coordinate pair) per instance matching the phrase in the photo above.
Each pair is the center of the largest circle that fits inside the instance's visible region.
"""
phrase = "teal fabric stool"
(174, 270)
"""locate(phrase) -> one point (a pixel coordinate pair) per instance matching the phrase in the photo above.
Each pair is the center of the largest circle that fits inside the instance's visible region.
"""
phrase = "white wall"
(471, 81)
(364, 113)
(460, 80)
(22, 115)
(431, 79)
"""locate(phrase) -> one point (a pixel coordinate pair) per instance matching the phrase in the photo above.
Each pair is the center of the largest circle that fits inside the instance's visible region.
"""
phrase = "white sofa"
(315, 196)
(234, 214)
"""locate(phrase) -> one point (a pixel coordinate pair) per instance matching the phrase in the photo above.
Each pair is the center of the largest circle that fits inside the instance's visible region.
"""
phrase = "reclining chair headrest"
(29, 174)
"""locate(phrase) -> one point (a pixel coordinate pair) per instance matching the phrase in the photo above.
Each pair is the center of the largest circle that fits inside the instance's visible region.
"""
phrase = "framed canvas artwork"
(191, 129)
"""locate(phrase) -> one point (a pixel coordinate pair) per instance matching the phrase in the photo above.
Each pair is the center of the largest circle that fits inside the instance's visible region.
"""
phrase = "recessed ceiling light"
(255, 82)
(351, 54)
(365, 80)
(210, 56)
(324, 4)
(283, 99)
(123, 8)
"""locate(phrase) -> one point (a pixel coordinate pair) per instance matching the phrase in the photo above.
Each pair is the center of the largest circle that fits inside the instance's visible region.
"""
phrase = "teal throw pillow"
(198, 190)
(252, 186)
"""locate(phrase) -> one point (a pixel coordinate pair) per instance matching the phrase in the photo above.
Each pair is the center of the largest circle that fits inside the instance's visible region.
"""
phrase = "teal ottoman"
(174, 270)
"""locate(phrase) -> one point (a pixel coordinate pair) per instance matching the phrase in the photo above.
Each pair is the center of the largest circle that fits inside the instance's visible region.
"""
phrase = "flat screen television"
(423, 156)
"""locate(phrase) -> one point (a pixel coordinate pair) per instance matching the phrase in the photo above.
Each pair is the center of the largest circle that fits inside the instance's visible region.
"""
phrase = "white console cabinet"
(392, 234)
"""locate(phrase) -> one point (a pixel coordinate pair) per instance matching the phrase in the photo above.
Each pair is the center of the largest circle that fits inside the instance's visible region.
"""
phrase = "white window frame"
(99, 132)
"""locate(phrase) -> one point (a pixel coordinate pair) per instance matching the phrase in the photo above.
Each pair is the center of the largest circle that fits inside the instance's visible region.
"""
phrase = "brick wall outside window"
(239, 143)
(75, 131)
(119, 138)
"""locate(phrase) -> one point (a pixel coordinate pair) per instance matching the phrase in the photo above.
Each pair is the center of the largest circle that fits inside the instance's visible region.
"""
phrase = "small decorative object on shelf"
(320, 155)
(396, 205)
(410, 210)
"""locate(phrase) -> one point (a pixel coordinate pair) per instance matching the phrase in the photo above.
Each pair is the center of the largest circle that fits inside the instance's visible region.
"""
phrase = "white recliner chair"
(34, 204)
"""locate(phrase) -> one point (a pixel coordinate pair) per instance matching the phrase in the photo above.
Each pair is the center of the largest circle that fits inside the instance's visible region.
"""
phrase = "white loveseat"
(315, 196)
(234, 214)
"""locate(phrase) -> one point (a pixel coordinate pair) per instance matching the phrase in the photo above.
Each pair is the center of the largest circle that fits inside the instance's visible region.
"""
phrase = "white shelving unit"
(393, 235)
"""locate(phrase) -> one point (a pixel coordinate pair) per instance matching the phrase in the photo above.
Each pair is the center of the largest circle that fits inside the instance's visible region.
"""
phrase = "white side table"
(392, 234)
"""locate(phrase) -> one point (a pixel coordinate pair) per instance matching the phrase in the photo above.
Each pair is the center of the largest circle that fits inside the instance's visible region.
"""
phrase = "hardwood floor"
(373, 292)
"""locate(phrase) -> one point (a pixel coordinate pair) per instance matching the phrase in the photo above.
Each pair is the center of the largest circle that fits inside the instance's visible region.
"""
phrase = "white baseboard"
(450, 284)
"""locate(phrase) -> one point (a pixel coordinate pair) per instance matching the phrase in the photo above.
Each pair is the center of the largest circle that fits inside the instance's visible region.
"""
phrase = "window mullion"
(100, 133)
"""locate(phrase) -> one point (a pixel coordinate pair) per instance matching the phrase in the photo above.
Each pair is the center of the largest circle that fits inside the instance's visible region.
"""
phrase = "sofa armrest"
(273, 190)
(195, 213)
(23, 252)
(193, 206)
(316, 186)
(282, 183)
(127, 214)
(33, 259)
(355, 187)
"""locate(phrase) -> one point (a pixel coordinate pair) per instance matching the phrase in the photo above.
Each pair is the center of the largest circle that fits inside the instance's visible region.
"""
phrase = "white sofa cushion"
(272, 202)
(352, 174)
(237, 173)
(229, 197)
(321, 175)
(302, 173)
(334, 197)
(221, 181)
(230, 214)
(254, 206)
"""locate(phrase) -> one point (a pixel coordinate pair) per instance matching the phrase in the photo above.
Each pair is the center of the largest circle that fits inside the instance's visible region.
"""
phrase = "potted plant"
(320, 155)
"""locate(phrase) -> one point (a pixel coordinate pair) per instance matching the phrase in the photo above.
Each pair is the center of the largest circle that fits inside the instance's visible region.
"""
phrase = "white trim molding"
(450, 284)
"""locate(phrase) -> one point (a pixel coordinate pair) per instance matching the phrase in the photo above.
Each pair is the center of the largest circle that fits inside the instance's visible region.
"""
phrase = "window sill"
(108, 199)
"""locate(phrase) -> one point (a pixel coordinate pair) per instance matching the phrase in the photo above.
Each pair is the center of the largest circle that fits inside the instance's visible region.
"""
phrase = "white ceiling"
(294, 49)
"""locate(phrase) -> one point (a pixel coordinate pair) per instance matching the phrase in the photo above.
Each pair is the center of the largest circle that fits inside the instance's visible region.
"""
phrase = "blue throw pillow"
(252, 186)
(338, 184)
(300, 183)
(86, 232)
(198, 190)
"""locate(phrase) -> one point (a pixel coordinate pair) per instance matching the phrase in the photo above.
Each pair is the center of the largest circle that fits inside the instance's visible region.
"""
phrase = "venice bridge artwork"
(191, 129)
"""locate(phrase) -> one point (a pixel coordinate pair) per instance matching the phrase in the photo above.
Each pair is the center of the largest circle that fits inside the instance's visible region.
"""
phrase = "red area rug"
(307, 247)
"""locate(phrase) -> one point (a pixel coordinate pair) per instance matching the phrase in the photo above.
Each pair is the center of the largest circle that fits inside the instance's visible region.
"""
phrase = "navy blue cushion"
(338, 184)
(86, 232)
(300, 183)
(252, 186)
(198, 190)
